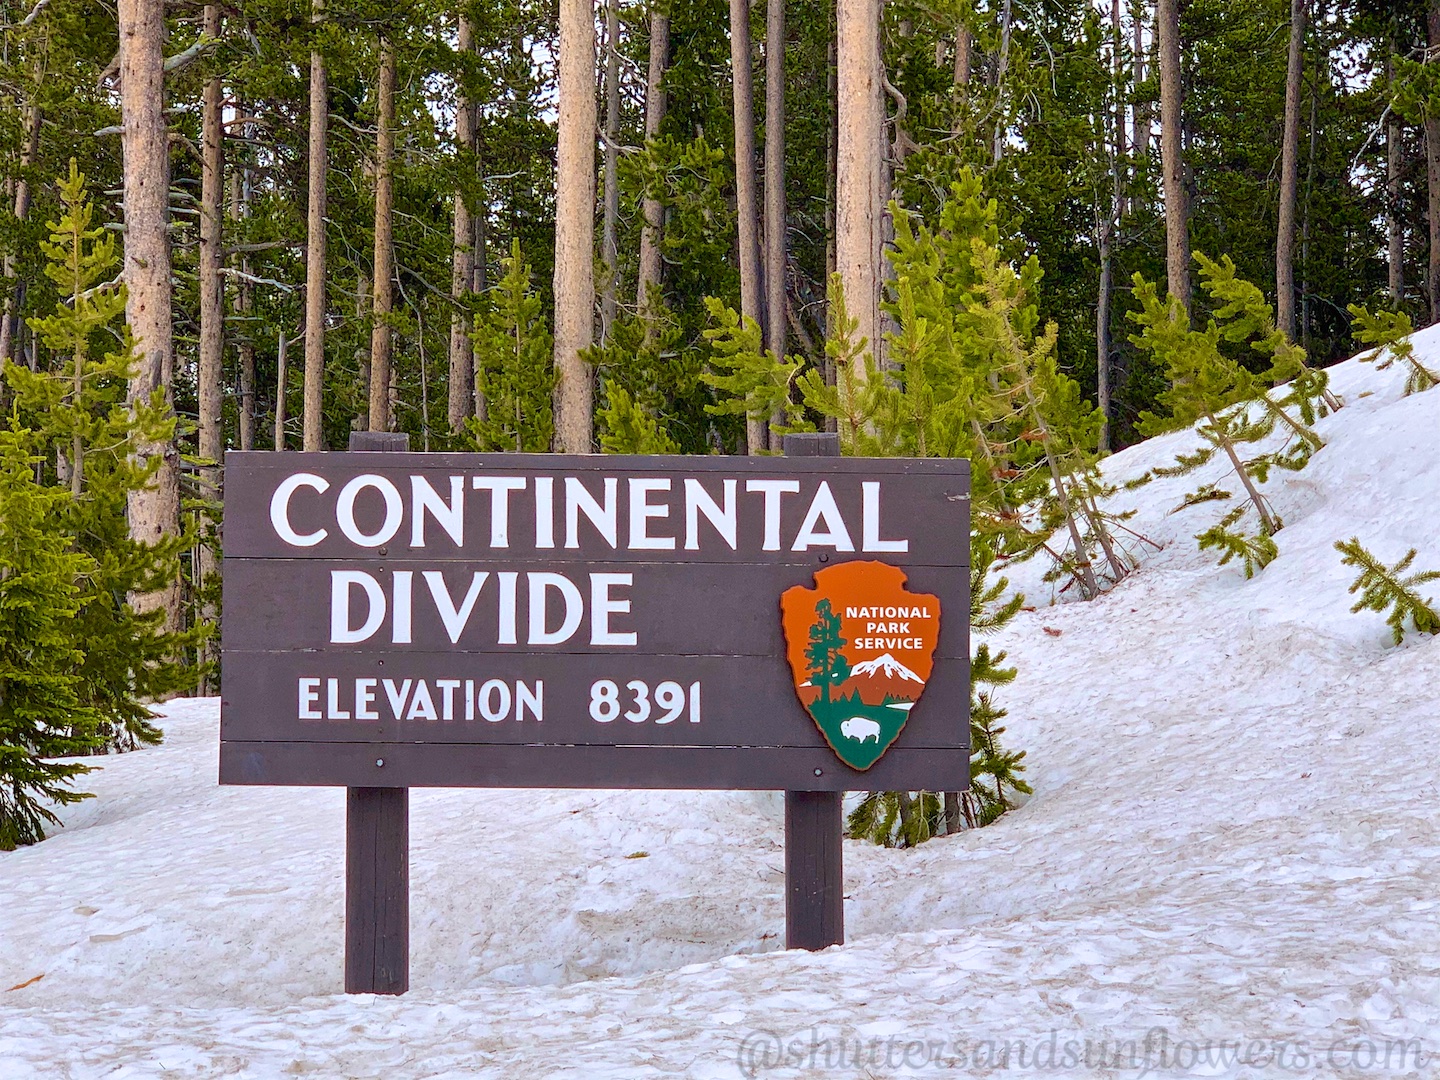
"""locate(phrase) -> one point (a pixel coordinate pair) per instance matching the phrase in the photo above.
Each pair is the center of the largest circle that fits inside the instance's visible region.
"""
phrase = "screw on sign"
(463, 620)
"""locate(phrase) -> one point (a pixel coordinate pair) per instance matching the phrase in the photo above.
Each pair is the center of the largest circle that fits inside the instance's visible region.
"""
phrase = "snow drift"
(1234, 842)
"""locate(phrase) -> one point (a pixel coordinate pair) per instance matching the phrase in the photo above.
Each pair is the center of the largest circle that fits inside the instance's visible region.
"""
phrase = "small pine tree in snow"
(42, 714)
(1230, 407)
(1390, 333)
(1255, 552)
(1384, 587)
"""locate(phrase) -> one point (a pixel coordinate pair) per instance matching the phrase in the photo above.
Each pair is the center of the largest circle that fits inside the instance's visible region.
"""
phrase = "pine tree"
(1254, 552)
(1382, 587)
(75, 420)
(42, 712)
(513, 365)
(1390, 332)
(626, 427)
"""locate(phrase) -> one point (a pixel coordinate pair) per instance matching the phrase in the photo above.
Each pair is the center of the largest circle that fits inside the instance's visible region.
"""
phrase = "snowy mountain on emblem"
(885, 666)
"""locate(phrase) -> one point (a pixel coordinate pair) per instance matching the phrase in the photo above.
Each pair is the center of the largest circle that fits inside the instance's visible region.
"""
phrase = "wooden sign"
(405, 619)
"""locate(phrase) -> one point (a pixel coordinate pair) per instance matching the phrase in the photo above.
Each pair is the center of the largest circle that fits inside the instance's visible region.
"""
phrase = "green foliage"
(1255, 552)
(1381, 587)
(76, 421)
(1390, 332)
(751, 382)
(627, 428)
(827, 664)
(43, 714)
(1229, 405)
(514, 364)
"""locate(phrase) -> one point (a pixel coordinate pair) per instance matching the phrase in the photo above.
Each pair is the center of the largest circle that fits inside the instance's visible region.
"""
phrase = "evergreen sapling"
(1381, 587)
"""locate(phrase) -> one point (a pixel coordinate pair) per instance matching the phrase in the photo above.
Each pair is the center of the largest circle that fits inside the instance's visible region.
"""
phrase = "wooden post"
(814, 822)
(377, 856)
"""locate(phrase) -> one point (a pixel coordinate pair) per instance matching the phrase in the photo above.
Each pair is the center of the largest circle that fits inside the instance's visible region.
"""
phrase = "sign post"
(377, 854)
(397, 620)
(814, 820)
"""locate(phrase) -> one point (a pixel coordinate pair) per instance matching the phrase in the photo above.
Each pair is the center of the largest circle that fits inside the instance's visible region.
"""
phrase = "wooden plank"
(923, 502)
(377, 856)
(814, 815)
(377, 890)
(814, 870)
(308, 764)
(742, 701)
(675, 609)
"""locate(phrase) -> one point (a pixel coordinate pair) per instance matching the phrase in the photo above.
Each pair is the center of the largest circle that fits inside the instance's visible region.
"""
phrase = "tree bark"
(459, 401)
(1289, 175)
(381, 338)
(651, 266)
(210, 405)
(154, 510)
(861, 126)
(22, 210)
(747, 203)
(314, 435)
(575, 228)
(1141, 141)
(1394, 228)
(1177, 198)
(244, 305)
(1432, 171)
(282, 378)
(776, 235)
(609, 245)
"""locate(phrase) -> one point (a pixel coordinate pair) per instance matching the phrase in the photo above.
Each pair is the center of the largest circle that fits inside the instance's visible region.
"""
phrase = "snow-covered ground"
(1233, 849)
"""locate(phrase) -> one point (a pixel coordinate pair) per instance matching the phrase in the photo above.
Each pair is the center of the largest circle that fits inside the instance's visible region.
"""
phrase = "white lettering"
(500, 488)
(310, 700)
(332, 701)
(544, 511)
(532, 699)
(345, 510)
(602, 606)
(280, 509)
(365, 699)
(507, 579)
(642, 510)
(449, 686)
(494, 687)
(578, 500)
(870, 521)
(454, 617)
(397, 696)
(540, 585)
(450, 517)
(401, 607)
(823, 508)
(772, 490)
(422, 705)
(340, 583)
(697, 502)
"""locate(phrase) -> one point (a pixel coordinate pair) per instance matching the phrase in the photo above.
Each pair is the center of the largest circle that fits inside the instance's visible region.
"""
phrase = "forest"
(996, 229)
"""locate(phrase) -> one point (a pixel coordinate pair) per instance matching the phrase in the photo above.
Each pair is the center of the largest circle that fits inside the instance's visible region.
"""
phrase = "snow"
(886, 666)
(1230, 866)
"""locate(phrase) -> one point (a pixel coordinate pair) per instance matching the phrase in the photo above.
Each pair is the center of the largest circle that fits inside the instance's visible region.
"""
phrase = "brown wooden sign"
(400, 620)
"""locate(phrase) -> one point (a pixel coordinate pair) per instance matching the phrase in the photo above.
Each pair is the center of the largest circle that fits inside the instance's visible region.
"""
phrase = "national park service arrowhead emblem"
(861, 647)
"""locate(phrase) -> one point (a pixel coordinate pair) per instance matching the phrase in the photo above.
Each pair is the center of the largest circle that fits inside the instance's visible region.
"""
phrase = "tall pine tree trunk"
(211, 436)
(575, 228)
(11, 313)
(313, 437)
(776, 247)
(609, 244)
(1394, 228)
(155, 510)
(1289, 175)
(460, 399)
(747, 203)
(282, 385)
(1141, 141)
(1172, 158)
(651, 266)
(381, 336)
(1432, 172)
(245, 306)
(860, 129)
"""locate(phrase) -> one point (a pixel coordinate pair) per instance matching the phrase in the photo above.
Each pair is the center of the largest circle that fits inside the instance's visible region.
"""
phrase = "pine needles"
(1381, 588)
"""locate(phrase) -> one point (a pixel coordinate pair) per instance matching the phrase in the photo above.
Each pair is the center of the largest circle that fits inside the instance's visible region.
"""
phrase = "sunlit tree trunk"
(609, 244)
(775, 227)
(1289, 175)
(459, 403)
(575, 227)
(313, 437)
(650, 268)
(154, 510)
(1177, 199)
(381, 337)
(861, 133)
(747, 203)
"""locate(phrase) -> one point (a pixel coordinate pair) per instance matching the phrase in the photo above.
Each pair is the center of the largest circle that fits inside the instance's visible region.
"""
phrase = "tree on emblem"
(828, 666)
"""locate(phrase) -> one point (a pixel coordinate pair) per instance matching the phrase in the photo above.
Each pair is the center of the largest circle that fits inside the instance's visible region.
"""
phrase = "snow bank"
(1234, 837)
